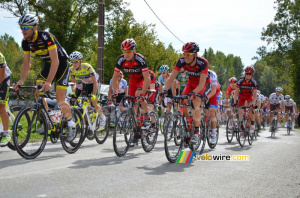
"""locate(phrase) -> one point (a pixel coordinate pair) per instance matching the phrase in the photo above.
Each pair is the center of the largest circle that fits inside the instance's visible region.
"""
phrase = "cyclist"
(4, 87)
(229, 98)
(213, 103)
(87, 74)
(197, 69)
(122, 91)
(275, 102)
(135, 66)
(180, 82)
(258, 106)
(45, 45)
(290, 106)
(162, 79)
(246, 89)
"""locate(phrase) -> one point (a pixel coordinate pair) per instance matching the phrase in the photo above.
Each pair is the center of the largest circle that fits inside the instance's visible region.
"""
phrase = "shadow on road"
(165, 168)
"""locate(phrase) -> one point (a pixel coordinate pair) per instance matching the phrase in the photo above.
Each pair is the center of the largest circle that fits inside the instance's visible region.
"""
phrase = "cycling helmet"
(232, 80)
(164, 68)
(28, 19)
(258, 92)
(249, 69)
(128, 44)
(279, 89)
(76, 56)
(190, 47)
(287, 97)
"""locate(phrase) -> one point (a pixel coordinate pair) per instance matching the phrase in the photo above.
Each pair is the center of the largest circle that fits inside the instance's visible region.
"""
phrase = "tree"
(266, 79)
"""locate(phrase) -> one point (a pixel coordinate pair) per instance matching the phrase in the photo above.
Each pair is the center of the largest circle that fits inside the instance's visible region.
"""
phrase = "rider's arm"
(109, 92)
(236, 93)
(254, 96)
(174, 87)
(146, 81)
(152, 86)
(268, 106)
(25, 67)
(171, 79)
(95, 84)
(212, 92)
(73, 79)
(114, 80)
(2, 74)
(201, 83)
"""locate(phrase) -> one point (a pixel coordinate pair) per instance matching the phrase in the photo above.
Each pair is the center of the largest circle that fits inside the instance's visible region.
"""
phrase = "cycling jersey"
(42, 43)
(194, 72)
(290, 103)
(122, 85)
(246, 87)
(85, 73)
(3, 64)
(274, 100)
(152, 81)
(230, 91)
(133, 68)
(182, 80)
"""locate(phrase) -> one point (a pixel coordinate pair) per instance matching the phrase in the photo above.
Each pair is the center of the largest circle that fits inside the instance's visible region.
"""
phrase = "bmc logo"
(132, 70)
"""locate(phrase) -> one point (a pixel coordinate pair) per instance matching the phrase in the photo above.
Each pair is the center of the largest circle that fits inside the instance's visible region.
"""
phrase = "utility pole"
(100, 51)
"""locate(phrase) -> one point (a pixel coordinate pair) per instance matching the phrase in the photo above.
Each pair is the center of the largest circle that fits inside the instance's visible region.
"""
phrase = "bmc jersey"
(3, 64)
(84, 73)
(230, 91)
(152, 77)
(290, 103)
(276, 99)
(133, 68)
(194, 72)
(122, 85)
(43, 42)
(246, 87)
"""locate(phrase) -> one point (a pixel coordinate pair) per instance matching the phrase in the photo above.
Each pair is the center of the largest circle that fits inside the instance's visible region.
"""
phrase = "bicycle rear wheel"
(203, 135)
(14, 110)
(229, 134)
(72, 146)
(31, 138)
(273, 128)
(123, 133)
(212, 146)
(173, 141)
(150, 137)
(242, 133)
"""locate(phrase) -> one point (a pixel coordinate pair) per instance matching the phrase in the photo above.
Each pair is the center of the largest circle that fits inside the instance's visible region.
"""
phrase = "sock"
(5, 133)
(71, 123)
(214, 132)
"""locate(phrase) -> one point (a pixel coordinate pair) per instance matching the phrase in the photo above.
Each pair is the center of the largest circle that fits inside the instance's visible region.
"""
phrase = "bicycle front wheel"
(72, 146)
(101, 134)
(288, 128)
(173, 138)
(150, 136)
(14, 110)
(123, 133)
(242, 133)
(30, 132)
(229, 132)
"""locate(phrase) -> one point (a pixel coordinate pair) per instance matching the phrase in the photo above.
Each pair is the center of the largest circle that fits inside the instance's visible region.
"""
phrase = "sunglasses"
(75, 61)
(25, 27)
(188, 54)
(164, 72)
(127, 51)
(249, 74)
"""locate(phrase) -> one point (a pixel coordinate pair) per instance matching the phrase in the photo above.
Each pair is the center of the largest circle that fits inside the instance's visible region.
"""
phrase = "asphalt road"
(95, 171)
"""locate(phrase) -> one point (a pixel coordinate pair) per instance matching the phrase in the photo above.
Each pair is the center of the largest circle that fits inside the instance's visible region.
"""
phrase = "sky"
(231, 26)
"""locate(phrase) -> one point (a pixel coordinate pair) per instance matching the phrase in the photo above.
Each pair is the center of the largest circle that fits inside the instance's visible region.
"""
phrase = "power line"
(162, 22)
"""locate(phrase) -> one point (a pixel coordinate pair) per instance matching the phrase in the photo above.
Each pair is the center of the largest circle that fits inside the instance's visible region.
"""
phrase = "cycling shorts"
(274, 107)
(135, 85)
(4, 89)
(61, 76)
(243, 99)
(190, 87)
(289, 109)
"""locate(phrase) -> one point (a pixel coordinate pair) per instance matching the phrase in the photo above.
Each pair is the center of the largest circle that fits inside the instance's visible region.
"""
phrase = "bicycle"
(244, 127)
(164, 117)
(178, 132)
(128, 130)
(274, 125)
(35, 120)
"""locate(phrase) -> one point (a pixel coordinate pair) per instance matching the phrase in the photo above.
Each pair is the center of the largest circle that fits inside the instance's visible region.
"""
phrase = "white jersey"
(274, 100)
(290, 103)
(213, 77)
(3, 64)
(122, 85)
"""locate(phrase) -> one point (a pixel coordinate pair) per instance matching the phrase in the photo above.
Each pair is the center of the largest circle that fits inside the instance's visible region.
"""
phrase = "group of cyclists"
(191, 76)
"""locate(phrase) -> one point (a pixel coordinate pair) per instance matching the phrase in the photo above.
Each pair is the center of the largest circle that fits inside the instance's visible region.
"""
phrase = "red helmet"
(128, 44)
(249, 69)
(232, 80)
(190, 47)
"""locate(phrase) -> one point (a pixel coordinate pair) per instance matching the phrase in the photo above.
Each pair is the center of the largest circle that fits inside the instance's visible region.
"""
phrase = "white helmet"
(29, 19)
(279, 89)
(76, 56)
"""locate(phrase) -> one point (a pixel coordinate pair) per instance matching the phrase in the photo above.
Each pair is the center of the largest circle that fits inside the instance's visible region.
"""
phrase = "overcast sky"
(230, 26)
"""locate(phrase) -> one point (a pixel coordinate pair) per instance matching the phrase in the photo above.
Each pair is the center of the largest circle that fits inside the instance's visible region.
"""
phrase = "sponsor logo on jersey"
(121, 60)
(141, 60)
(132, 70)
(193, 74)
(45, 37)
